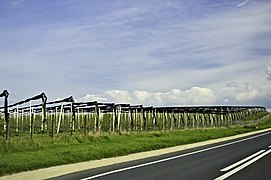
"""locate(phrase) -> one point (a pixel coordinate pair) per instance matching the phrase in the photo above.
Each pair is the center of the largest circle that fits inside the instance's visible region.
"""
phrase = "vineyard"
(37, 116)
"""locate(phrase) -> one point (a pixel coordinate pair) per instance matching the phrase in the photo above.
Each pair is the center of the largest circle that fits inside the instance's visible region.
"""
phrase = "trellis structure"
(66, 115)
(13, 119)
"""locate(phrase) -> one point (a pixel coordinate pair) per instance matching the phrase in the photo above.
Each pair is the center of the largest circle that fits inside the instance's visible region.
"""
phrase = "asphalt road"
(245, 158)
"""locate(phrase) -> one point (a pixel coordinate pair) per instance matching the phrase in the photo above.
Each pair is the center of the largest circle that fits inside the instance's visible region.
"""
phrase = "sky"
(155, 52)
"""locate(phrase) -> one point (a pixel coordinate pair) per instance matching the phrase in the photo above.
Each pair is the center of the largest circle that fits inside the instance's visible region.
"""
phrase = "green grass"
(256, 116)
(23, 154)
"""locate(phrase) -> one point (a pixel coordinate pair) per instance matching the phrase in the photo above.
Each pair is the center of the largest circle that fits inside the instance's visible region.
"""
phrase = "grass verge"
(256, 116)
(23, 154)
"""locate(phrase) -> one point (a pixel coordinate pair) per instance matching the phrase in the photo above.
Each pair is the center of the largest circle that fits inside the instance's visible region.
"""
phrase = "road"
(245, 158)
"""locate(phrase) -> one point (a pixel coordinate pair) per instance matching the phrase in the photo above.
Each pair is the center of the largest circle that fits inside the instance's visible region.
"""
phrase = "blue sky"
(170, 52)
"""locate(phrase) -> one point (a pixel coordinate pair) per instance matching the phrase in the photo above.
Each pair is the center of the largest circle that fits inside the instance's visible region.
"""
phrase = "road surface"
(245, 158)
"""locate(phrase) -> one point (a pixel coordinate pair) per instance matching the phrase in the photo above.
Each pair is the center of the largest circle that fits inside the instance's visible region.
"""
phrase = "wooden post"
(85, 124)
(17, 118)
(179, 120)
(100, 120)
(157, 123)
(154, 119)
(197, 120)
(63, 118)
(221, 119)
(31, 121)
(56, 115)
(110, 122)
(203, 124)
(164, 120)
(43, 113)
(185, 120)
(211, 120)
(143, 119)
(207, 119)
(22, 120)
(113, 118)
(60, 117)
(171, 120)
(53, 125)
(149, 119)
(72, 120)
(42, 123)
(193, 120)
(30, 117)
(119, 113)
(189, 120)
(231, 118)
(136, 119)
(96, 118)
(130, 119)
(217, 119)
(6, 94)
(78, 118)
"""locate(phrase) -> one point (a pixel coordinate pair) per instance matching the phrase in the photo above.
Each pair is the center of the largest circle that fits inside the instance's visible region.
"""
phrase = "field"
(34, 136)
(24, 153)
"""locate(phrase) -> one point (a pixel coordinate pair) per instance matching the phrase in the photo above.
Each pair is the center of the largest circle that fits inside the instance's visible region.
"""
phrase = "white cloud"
(199, 95)
(193, 96)
(93, 97)
(234, 93)
(237, 92)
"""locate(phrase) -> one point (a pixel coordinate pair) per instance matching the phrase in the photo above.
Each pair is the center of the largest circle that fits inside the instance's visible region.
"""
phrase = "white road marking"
(269, 146)
(243, 166)
(171, 158)
(242, 161)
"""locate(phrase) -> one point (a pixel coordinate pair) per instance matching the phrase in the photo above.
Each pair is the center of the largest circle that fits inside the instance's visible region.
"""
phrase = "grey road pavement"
(242, 158)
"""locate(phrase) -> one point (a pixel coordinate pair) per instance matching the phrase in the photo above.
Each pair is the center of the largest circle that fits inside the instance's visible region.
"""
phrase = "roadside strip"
(71, 168)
